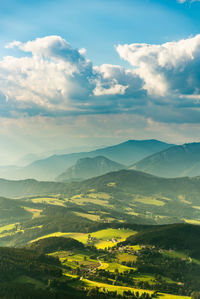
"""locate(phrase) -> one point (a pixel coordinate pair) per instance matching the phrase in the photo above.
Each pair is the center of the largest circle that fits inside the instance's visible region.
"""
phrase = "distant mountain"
(127, 153)
(86, 168)
(177, 161)
(174, 236)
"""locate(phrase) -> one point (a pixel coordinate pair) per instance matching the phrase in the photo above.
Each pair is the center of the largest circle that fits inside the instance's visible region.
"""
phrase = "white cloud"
(53, 78)
(170, 68)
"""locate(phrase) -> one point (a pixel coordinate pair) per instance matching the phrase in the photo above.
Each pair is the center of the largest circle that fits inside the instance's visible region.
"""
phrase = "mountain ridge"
(177, 161)
(125, 153)
(86, 168)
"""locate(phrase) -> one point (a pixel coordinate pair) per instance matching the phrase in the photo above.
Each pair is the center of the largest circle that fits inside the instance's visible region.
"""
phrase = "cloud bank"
(51, 78)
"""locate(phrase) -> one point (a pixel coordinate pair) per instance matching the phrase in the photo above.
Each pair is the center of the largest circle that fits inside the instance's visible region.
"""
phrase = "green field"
(103, 238)
(112, 267)
(9, 230)
(101, 199)
(92, 217)
(8, 227)
(149, 201)
(120, 290)
(125, 257)
(48, 200)
(192, 221)
(36, 212)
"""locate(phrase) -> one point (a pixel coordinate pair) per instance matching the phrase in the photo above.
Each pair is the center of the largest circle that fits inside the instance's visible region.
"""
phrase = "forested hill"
(142, 183)
(126, 180)
(30, 187)
(52, 244)
(175, 236)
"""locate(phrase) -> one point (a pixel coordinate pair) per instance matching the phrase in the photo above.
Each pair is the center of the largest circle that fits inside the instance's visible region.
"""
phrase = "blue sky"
(87, 73)
(98, 25)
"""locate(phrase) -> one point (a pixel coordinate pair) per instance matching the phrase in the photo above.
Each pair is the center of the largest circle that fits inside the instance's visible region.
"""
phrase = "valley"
(121, 234)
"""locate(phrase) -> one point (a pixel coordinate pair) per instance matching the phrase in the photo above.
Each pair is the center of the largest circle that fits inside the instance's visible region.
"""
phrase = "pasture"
(121, 289)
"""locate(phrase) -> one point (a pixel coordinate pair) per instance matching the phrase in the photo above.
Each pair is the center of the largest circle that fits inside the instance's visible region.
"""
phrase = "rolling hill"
(53, 244)
(86, 168)
(29, 274)
(177, 161)
(127, 153)
(21, 188)
(176, 236)
(122, 196)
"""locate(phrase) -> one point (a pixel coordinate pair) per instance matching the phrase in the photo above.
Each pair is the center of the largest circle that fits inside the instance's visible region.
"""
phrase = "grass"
(125, 257)
(95, 198)
(192, 221)
(76, 259)
(26, 279)
(36, 212)
(9, 230)
(77, 236)
(175, 254)
(100, 195)
(196, 207)
(112, 267)
(149, 201)
(107, 237)
(121, 289)
(144, 277)
(103, 238)
(178, 254)
(136, 247)
(92, 217)
(8, 227)
(48, 200)
(111, 184)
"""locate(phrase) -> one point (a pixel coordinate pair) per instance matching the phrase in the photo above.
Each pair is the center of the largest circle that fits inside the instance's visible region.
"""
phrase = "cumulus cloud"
(55, 78)
(170, 68)
(51, 78)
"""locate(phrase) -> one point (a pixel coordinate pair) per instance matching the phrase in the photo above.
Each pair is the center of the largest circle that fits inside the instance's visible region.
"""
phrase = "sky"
(80, 74)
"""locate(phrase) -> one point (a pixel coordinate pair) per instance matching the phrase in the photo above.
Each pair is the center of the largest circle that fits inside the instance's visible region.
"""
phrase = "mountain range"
(126, 153)
(176, 161)
(86, 168)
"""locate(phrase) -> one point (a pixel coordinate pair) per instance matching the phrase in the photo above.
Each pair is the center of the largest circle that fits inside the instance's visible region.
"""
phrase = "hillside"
(125, 195)
(52, 244)
(120, 197)
(11, 211)
(30, 187)
(180, 237)
(86, 168)
(126, 153)
(177, 161)
(28, 274)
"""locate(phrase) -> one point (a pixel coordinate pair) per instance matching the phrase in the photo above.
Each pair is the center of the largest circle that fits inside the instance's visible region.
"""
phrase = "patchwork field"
(48, 200)
(101, 239)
